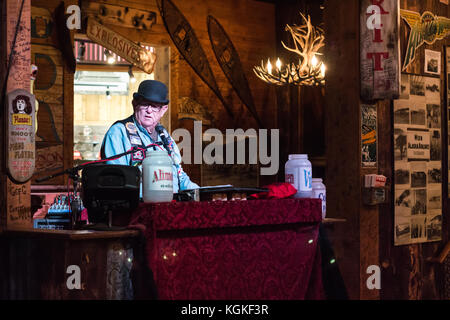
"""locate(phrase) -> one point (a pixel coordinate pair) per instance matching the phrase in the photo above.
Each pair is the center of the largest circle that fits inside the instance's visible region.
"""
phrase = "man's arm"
(116, 142)
(185, 181)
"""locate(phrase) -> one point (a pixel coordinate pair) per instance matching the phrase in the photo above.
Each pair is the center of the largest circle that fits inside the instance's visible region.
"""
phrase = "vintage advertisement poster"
(369, 135)
(21, 142)
(379, 49)
(417, 161)
(424, 28)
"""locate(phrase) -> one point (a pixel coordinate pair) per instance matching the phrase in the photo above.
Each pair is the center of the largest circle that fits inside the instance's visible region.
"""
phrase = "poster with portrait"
(20, 152)
(417, 161)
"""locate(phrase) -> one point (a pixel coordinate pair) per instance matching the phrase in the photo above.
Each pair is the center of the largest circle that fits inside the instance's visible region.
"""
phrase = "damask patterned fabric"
(259, 249)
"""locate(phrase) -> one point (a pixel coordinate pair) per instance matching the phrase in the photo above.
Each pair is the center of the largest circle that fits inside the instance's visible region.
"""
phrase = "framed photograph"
(432, 62)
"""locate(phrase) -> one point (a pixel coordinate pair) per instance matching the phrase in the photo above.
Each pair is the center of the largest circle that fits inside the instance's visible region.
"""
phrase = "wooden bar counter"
(36, 264)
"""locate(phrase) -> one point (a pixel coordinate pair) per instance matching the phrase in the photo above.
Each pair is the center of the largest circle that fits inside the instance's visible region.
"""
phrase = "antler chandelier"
(309, 70)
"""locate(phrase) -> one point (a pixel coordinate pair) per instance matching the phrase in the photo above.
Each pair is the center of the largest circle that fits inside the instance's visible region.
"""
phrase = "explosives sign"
(21, 141)
(127, 49)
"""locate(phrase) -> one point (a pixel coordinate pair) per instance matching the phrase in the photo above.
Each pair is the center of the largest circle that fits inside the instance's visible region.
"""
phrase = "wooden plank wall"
(54, 91)
(406, 274)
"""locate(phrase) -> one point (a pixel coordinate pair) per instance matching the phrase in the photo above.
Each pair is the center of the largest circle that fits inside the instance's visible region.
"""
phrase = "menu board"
(418, 161)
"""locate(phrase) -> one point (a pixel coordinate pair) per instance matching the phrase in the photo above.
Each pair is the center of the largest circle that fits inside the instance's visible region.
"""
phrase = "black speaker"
(109, 189)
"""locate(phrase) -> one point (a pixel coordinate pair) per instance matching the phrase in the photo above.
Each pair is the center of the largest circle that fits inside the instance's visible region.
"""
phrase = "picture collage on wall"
(418, 161)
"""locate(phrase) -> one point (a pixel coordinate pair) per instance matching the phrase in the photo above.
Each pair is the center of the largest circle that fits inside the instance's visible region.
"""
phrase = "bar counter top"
(68, 234)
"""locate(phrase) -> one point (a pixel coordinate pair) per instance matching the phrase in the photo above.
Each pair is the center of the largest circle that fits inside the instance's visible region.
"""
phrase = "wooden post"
(356, 241)
(15, 205)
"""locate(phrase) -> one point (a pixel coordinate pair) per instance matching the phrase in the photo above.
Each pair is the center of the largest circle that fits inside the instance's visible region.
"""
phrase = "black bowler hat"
(153, 91)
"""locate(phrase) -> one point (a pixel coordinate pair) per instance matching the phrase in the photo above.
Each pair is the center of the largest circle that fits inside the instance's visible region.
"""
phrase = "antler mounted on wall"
(309, 71)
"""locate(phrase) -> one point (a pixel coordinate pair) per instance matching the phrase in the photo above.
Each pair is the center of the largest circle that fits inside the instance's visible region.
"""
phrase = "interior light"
(109, 57)
(130, 73)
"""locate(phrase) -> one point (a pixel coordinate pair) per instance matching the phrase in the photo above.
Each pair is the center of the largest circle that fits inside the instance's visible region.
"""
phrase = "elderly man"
(149, 104)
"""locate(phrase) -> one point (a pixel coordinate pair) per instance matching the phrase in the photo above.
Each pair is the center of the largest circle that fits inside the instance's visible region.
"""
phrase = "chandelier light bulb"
(278, 64)
(269, 66)
(309, 71)
(314, 61)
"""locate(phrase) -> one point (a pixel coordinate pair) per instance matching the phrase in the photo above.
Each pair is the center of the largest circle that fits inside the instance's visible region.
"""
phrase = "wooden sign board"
(21, 139)
(379, 49)
(127, 49)
(125, 16)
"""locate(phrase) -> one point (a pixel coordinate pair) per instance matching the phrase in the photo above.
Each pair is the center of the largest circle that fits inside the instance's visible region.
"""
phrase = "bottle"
(320, 192)
(157, 176)
(298, 172)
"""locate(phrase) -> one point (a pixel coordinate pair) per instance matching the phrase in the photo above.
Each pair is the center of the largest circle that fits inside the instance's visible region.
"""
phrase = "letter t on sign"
(377, 59)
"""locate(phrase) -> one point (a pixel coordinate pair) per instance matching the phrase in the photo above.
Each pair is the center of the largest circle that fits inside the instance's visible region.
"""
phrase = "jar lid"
(316, 179)
(156, 149)
(298, 156)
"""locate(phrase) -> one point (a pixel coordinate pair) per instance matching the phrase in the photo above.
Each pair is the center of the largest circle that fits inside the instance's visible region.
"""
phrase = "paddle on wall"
(229, 61)
(188, 45)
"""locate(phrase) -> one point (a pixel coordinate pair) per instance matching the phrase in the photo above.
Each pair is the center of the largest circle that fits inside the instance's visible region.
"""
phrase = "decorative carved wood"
(127, 49)
(188, 45)
(231, 65)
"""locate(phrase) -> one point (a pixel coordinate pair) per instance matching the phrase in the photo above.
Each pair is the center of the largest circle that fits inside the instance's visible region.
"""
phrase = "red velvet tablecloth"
(258, 249)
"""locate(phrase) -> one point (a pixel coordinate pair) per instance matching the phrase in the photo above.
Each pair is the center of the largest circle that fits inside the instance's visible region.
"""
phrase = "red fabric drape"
(259, 249)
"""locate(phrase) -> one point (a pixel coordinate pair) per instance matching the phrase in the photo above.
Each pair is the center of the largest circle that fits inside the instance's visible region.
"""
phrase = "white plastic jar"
(320, 192)
(157, 176)
(298, 172)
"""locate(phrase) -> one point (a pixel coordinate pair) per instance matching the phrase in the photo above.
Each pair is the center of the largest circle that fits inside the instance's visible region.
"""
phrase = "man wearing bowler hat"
(149, 104)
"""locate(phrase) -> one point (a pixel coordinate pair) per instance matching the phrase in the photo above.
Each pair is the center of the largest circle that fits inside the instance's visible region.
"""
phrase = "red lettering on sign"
(378, 3)
(377, 58)
(377, 35)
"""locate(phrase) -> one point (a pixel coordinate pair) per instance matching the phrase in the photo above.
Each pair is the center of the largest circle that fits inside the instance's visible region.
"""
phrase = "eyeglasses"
(153, 107)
